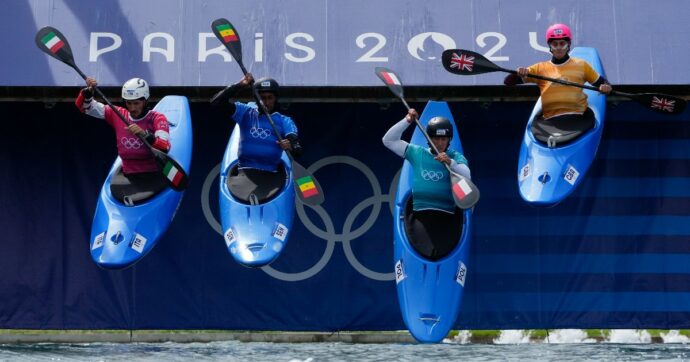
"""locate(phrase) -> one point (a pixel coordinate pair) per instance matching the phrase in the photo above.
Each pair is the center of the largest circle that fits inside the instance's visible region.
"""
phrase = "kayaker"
(259, 148)
(433, 207)
(561, 103)
(141, 176)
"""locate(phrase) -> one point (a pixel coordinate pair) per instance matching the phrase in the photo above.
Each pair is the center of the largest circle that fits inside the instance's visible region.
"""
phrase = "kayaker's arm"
(222, 98)
(392, 139)
(296, 146)
(512, 79)
(460, 168)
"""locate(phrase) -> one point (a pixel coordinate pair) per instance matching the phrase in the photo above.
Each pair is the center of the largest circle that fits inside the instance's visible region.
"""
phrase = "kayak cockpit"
(254, 187)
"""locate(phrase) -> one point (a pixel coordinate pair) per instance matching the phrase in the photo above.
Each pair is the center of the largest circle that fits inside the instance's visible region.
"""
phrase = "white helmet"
(135, 88)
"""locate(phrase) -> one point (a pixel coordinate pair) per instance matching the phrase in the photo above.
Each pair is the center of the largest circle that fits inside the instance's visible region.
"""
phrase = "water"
(313, 352)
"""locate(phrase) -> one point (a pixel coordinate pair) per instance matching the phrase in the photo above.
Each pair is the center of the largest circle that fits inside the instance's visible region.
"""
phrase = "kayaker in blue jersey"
(258, 176)
(433, 208)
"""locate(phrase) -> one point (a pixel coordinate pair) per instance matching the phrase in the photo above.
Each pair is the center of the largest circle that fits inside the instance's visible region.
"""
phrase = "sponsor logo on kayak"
(280, 232)
(230, 236)
(524, 172)
(462, 273)
(138, 243)
(399, 272)
(571, 175)
(98, 241)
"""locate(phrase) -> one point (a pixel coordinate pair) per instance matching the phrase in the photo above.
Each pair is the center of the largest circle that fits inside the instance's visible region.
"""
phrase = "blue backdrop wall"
(615, 254)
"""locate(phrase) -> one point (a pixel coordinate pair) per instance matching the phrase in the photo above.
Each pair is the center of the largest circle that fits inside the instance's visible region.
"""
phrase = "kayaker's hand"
(247, 80)
(443, 158)
(605, 88)
(136, 130)
(91, 82)
(285, 144)
(522, 71)
(411, 115)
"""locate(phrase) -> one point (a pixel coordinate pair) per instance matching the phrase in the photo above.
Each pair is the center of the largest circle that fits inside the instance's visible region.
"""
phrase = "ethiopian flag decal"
(307, 187)
(227, 32)
(172, 173)
(52, 42)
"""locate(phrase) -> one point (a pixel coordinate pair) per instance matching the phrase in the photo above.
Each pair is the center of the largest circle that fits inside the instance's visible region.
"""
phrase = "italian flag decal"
(461, 189)
(227, 32)
(172, 173)
(52, 42)
(307, 187)
(390, 78)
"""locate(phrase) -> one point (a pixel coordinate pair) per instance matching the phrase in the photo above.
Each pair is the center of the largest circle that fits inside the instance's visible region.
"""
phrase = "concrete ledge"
(203, 337)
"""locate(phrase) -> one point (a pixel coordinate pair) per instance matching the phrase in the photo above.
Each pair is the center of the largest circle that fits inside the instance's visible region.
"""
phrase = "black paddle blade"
(307, 188)
(51, 41)
(466, 62)
(227, 35)
(174, 173)
(662, 103)
(391, 80)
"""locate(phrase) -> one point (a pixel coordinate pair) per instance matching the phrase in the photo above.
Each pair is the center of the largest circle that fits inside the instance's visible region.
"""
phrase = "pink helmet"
(558, 31)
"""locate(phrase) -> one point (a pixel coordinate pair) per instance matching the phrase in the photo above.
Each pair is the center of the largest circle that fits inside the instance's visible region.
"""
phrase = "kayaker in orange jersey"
(561, 103)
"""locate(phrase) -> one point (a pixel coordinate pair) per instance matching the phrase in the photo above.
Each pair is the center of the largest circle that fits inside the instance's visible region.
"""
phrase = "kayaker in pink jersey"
(140, 176)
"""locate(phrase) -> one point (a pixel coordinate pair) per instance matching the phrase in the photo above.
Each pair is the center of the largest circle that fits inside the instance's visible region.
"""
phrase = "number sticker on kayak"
(98, 241)
(229, 236)
(571, 175)
(399, 272)
(524, 173)
(462, 273)
(280, 232)
(138, 243)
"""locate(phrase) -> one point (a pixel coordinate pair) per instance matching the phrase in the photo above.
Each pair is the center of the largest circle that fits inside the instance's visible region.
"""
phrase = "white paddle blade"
(465, 193)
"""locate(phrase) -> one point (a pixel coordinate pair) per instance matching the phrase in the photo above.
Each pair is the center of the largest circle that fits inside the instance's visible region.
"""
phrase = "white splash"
(513, 336)
(463, 337)
(674, 336)
(568, 336)
(628, 336)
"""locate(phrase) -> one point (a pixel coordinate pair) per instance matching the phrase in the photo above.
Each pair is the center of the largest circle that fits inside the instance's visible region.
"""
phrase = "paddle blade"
(228, 35)
(307, 188)
(465, 193)
(51, 41)
(466, 62)
(662, 103)
(174, 173)
(391, 80)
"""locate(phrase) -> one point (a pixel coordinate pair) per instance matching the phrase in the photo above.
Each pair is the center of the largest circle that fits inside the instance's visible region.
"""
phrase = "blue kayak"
(547, 174)
(429, 292)
(121, 235)
(255, 229)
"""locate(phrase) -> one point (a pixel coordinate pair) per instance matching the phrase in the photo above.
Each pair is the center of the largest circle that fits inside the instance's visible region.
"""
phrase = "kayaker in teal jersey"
(432, 201)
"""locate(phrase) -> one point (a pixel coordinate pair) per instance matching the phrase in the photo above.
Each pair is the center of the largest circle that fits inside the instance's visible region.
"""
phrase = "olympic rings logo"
(329, 233)
(131, 143)
(432, 175)
(258, 132)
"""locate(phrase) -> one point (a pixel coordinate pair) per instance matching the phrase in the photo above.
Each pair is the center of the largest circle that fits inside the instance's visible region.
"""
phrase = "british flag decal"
(663, 104)
(462, 62)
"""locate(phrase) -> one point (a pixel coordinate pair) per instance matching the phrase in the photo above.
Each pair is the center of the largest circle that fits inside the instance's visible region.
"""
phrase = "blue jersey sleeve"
(242, 113)
(288, 126)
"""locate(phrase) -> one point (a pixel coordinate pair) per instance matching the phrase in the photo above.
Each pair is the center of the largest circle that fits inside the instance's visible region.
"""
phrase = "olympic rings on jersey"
(258, 132)
(432, 175)
(329, 233)
(131, 143)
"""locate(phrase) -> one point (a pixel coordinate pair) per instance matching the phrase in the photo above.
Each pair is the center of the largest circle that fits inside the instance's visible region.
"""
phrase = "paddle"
(465, 193)
(465, 62)
(308, 189)
(51, 41)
